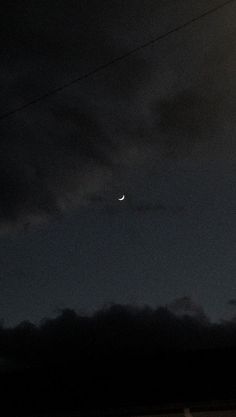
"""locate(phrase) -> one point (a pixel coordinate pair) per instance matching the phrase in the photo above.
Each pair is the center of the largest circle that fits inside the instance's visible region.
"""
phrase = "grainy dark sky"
(158, 126)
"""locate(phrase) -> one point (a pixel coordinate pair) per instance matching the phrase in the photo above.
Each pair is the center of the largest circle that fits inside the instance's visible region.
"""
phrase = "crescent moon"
(122, 198)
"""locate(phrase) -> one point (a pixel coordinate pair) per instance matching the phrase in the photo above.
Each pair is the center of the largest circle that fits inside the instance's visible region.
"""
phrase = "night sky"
(157, 126)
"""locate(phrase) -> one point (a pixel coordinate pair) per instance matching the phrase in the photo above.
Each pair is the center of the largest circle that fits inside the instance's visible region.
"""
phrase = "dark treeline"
(121, 331)
(118, 357)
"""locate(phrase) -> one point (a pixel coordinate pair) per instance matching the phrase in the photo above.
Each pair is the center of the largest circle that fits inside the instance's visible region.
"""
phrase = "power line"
(112, 62)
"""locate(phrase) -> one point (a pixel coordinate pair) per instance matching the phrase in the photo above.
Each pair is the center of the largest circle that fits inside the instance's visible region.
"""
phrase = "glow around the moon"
(122, 198)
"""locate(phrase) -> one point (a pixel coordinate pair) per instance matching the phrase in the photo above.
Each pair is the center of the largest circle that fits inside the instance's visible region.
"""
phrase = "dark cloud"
(185, 305)
(55, 157)
(127, 204)
(143, 208)
(63, 151)
(158, 207)
(232, 302)
(131, 205)
(185, 120)
(57, 170)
